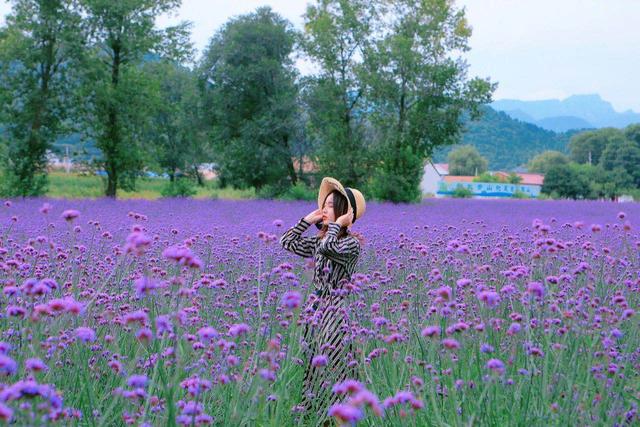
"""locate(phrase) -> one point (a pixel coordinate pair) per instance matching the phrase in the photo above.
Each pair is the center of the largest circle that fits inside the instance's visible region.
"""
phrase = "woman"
(326, 335)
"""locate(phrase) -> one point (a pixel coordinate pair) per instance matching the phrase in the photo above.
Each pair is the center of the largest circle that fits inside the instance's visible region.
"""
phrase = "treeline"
(389, 87)
(602, 164)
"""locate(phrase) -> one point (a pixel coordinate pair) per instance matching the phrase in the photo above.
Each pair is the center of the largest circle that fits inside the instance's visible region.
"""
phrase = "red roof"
(527, 178)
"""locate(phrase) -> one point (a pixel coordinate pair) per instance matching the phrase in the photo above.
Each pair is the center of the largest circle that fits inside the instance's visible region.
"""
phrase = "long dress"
(326, 333)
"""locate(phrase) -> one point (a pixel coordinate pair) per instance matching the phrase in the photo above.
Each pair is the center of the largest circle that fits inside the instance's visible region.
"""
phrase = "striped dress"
(327, 330)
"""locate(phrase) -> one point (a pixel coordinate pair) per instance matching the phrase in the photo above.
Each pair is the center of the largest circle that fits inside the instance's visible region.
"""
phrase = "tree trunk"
(113, 136)
(289, 160)
(198, 176)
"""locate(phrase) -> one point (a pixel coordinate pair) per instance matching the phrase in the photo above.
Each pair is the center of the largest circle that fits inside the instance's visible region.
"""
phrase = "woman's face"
(327, 210)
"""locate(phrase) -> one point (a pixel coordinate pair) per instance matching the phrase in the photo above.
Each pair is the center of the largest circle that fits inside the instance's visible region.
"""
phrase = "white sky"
(534, 49)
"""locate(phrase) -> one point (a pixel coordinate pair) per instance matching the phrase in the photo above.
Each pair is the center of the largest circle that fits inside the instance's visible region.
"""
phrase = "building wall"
(430, 179)
(488, 189)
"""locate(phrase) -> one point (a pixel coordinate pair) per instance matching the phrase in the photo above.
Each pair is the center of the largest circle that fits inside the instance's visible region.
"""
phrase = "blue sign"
(488, 189)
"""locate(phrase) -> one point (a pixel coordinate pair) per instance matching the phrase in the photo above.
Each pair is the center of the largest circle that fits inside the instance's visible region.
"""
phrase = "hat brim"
(327, 185)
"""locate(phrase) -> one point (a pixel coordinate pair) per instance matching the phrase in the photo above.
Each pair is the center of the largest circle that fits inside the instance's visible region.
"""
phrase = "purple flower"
(238, 329)
(137, 243)
(45, 208)
(70, 214)
(431, 331)
(345, 413)
(207, 333)
(137, 381)
(8, 366)
(490, 298)
(450, 344)
(495, 365)
(291, 299)
(35, 365)
(145, 286)
(536, 289)
(463, 282)
(267, 374)
(486, 348)
(319, 360)
(85, 334)
(6, 413)
(514, 329)
(347, 386)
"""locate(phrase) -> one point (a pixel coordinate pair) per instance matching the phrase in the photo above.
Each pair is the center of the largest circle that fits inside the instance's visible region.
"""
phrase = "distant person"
(336, 250)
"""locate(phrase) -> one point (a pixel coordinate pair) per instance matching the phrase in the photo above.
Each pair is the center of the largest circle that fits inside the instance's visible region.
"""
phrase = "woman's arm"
(293, 241)
(341, 251)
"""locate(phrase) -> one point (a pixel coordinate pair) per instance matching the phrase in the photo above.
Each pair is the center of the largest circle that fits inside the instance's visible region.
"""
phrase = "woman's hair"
(340, 206)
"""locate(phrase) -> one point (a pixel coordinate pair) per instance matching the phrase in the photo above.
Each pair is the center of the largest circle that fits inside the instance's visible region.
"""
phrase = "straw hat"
(355, 199)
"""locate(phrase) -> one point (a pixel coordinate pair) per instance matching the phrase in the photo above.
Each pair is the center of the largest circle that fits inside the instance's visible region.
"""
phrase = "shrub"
(181, 187)
(300, 191)
(462, 192)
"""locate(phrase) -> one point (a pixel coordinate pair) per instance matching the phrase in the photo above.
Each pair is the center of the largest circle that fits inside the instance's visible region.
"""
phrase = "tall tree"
(418, 89)
(38, 50)
(181, 142)
(466, 160)
(622, 153)
(545, 160)
(252, 96)
(336, 34)
(120, 96)
(587, 147)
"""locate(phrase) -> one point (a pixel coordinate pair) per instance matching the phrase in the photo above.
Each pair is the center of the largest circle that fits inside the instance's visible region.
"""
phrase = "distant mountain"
(563, 123)
(505, 142)
(575, 112)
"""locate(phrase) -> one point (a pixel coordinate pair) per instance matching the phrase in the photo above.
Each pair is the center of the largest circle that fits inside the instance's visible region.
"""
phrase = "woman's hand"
(314, 216)
(346, 219)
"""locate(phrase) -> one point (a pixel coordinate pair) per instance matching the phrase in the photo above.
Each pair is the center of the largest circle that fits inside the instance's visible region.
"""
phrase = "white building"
(433, 173)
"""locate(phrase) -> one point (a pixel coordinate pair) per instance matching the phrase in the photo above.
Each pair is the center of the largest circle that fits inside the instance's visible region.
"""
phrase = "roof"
(527, 178)
(442, 168)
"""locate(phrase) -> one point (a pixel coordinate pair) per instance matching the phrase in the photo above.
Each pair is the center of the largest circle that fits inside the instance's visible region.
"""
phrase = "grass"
(78, 186)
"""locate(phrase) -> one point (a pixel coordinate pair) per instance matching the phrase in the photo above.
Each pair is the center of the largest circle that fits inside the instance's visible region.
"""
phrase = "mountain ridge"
(585, 111)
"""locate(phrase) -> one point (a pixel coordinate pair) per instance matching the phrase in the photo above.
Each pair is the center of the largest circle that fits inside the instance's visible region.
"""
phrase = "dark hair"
(340, 206)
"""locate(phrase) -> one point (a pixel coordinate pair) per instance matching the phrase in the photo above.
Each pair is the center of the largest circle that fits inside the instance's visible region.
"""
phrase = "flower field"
(188, 312)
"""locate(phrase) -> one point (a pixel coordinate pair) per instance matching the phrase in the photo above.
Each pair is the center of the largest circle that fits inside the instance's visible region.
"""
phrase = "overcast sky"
(534, 49)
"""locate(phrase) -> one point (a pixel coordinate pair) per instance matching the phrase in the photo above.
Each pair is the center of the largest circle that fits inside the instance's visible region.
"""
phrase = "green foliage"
(466, 161)
(272, 191)
(514, 178)
(461, 192)
(545, 160)
(39, 48)
(250, 90)
(337, 32)
(417, 93)
(520, 195)
(587, 147)
(563, 181)
(584, 181)
(118, 94)
(488, 177)
(179, 132)
(623, 154)
(300, 191)
(180, 187)
(395, 179)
